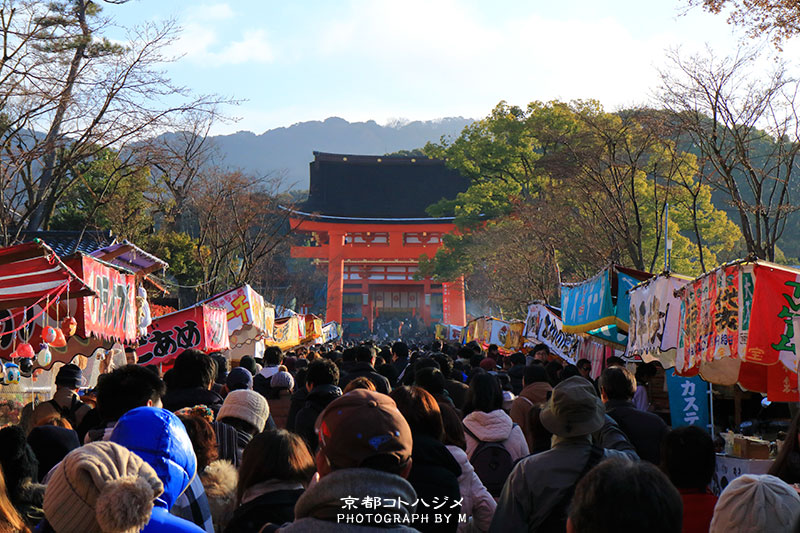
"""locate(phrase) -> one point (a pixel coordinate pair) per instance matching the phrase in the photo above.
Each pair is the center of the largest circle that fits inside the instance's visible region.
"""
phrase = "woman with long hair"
(10, 520)
(787, 464)
(276, 468)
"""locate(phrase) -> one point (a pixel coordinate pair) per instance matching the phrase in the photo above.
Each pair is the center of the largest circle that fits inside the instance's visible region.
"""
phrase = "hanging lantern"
(44, 357)
(49, 335)
(24, 351)
(60, 341)
(12, 374)
(69, 326)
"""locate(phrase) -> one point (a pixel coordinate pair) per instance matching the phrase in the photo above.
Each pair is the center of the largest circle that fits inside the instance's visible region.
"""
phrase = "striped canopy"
(31, 272)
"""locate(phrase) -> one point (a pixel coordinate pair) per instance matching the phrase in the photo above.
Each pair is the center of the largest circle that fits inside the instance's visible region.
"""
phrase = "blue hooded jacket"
(159, 438)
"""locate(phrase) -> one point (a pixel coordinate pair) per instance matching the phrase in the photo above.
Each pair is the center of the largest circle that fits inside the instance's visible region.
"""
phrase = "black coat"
(176, 399)
(318, 399)
(362, 369)
(434, 475)
(298, 402)
(644, 430)
(271, 508)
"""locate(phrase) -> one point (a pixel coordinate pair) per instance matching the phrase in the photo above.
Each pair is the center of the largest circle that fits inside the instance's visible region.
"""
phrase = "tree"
(779, 19)
(67, 93)
(746, 128)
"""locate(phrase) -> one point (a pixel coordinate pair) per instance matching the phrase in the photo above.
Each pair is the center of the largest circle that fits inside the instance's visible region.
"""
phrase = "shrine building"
(365, 222)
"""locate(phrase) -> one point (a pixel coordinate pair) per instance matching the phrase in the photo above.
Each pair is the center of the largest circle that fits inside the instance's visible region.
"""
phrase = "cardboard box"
(750, 448)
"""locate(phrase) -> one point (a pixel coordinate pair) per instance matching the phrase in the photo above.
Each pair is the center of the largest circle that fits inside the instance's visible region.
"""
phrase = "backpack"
(263, 386)
(68, 413)
(556, 521)
(492, 463)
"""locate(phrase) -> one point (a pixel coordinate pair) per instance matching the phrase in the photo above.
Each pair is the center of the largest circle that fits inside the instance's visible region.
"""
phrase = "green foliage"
(180, 251)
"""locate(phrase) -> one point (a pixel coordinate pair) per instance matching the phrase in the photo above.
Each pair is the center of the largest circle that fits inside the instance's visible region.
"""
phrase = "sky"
(384, 60)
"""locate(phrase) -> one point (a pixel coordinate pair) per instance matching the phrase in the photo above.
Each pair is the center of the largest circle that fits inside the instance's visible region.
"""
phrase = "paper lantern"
(24, 351)
(12, 375)
(69, 326)
(44, 357)
(60, 341)
(49, 334)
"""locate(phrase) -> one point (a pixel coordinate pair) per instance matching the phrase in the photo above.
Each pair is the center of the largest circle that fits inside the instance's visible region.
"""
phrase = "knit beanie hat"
(69, 376)
(282, 380)
(756, 504)
(245, 405)
(101, 488)
(239, 378)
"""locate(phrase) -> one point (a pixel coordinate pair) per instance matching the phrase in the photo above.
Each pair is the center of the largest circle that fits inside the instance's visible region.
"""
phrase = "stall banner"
(441, 332)
(269, 321)
(506, 335)
(313, 327)
(588, 305)
(709, 323)
(455, 333)
(688, 400)
(654, 319)
(243, 306)
(775, 304)
(544, 326)
(611, 334)
(286, 333)
(781, 384)
(201, 327)
(330, 332)
(111, 314)
(623, 306)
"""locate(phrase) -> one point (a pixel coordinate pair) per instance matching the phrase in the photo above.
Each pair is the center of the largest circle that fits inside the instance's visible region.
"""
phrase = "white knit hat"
(101, 488)
(756, 504)
(245, 405)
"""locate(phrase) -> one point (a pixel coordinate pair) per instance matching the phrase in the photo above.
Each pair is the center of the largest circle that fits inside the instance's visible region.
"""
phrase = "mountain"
(289, 150)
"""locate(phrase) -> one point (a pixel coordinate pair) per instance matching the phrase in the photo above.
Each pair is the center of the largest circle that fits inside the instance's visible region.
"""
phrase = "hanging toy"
(60, 341)
(36, 373)
(12, 374)
(26, 367)
(49, 335)
(44, 357)
(24, 351)
(69, 326)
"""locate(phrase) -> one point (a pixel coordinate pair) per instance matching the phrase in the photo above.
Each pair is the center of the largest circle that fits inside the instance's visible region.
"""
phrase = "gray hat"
(574, 409)
(239, 378)
(69, 376)
(282, 380)
(756, 503)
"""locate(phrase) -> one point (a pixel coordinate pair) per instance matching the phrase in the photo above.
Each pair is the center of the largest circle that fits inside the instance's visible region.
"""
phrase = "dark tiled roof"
(65, 243)
(378, 186)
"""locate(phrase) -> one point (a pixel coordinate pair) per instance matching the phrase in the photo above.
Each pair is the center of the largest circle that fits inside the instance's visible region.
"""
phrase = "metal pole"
(711, 407)
(666, 237)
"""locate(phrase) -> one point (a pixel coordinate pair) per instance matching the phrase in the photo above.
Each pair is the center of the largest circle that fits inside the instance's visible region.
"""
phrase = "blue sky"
(422, 59)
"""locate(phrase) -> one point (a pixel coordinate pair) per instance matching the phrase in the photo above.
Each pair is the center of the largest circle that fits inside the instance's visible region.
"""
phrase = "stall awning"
(32, 272)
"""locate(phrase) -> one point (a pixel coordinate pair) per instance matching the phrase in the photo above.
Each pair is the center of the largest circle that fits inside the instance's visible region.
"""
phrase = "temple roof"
(383, 188)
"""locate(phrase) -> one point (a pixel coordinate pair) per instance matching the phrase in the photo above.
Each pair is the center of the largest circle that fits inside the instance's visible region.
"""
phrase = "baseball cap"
(363, 425)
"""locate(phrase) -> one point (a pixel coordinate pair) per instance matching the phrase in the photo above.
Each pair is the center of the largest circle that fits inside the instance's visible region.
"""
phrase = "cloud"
(204, 40)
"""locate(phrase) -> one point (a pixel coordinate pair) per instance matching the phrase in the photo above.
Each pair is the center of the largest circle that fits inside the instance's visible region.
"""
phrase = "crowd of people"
(372, 437)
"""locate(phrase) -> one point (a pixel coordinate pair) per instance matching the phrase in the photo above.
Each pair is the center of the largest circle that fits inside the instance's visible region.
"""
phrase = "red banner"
(781, 384)
(112, 313)
(200, 327)
(776, 301)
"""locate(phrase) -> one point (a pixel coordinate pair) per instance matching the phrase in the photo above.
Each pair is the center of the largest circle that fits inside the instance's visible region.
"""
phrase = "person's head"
(222, 366)
(322, 372)
(517, 359)
(484, 394)
(493, 351)
(245, 407)
(436, 345)
(420, 410)
(573, 410)
(617, 383)
(365, 354)
(453, 427)
(193, 368)
(101, 487)
(127, 388)
(50, 444)
(248, 363)
(431, 379)
(239, 378)
(651, 503)
(360, 382)
(130, 355)
(757, 504)
(8, 513)
(363, 429)
(159, 438)
(55, 419)
(69, 377)
(289, 460)
(204, 440)
(465, 354)
(273, 356)
(18, 461)
(400, 350)
(534, 374)
(584, 367)
(688, 457)
(488, 364)
(282, 380)
(389, 372)
(569, 371)
(613, 360)
(445, 364)
(541, 352)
